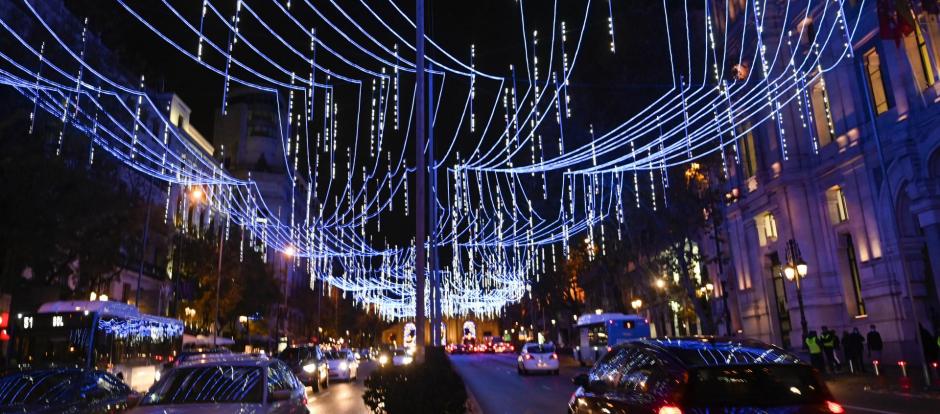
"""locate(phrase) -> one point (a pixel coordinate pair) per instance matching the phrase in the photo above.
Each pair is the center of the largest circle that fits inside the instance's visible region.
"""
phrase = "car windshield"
(540, 349)
(208, 384)
(762, 385)
(335, 354)
(39, 387)
(295, 355)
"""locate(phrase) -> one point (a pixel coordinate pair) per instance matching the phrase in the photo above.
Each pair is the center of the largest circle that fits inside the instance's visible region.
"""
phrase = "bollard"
(876, 363)
(851, 367)
(904, 381)
(935, 367)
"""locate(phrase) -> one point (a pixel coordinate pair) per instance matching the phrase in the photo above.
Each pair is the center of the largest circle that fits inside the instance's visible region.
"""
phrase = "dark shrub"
(429, 388)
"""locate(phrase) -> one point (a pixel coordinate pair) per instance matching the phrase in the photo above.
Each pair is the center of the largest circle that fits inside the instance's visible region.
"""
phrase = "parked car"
(63, 390)
(226, 384)
(309, 364)
(342, 365)
(537, 358)
(691, 375)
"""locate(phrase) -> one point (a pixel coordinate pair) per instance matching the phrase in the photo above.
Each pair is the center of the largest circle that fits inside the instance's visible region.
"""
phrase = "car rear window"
(208, 384)
(760, 385)
(540, 349)
(44, 387)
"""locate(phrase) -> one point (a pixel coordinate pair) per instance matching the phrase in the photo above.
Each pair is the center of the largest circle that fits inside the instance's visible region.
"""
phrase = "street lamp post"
(795, 270)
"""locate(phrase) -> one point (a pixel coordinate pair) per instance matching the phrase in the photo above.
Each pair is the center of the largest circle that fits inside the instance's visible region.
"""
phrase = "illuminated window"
(838, 208)
(766, 228)
(854, 275)
(749, 153)
(821, 115)
(915, 45)
(876, 84)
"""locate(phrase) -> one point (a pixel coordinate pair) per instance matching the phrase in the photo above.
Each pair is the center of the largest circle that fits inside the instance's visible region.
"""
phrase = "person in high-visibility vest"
(815, 351)
(828, 339)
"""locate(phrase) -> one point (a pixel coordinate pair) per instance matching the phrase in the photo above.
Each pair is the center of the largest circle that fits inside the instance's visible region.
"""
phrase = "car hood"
(202, 409)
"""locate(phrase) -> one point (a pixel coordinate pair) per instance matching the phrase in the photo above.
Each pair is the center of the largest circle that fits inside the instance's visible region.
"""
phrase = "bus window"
(134, 341)
(44, 339)
(597, 335)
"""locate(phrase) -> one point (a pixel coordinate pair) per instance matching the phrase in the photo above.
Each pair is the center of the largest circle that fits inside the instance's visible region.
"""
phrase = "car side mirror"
(581, 380)
(280, 395)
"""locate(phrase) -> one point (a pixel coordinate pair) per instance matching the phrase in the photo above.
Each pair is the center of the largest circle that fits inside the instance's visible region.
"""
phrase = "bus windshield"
(44, 340)
(597, 335)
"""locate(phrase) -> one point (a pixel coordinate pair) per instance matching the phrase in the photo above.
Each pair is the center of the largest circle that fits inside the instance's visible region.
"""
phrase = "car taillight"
(670, 409)
(528, 356)
(609, 348)
(834, 407)
(554, 355)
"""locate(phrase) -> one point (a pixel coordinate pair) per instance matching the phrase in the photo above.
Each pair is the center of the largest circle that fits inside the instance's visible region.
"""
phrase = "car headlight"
(407, 360)
(156, 376)
(343, 366)
(310, 368)
(383, 359)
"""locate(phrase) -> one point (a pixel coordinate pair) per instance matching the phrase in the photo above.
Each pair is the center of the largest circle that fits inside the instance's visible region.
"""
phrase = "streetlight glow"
(290, 251)
(196, 194)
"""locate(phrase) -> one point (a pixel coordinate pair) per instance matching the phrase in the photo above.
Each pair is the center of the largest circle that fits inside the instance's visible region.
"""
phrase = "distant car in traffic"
(226, 384)
(691, 375)
(537, 358)
(63, 390)
(342, 365)
(402, 357)
(309, 364)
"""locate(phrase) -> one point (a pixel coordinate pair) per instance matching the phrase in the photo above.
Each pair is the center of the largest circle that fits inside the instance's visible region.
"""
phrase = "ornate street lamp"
(795, 270)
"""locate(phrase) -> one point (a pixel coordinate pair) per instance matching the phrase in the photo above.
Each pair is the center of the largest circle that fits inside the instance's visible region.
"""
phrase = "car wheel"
(316, 386)
(518, 370)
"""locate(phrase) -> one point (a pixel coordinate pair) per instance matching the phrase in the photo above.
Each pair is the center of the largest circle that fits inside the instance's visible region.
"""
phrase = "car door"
(280, 379)
(102, 392)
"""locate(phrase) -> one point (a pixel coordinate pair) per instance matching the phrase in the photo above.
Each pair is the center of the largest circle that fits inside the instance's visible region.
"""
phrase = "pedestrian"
(828, 339)
(875, 345)
(845, 339)
(815, 351)
(855, 346)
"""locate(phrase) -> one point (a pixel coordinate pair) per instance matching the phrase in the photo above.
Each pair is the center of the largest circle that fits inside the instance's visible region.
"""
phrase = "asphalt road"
(498, 389)
(341, 397)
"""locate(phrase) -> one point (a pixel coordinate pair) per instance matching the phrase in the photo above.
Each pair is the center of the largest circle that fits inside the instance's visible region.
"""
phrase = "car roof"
(227, 360)
(708, 351)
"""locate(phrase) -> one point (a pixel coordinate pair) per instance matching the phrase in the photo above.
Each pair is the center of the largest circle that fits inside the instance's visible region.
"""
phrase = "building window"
(838, 208)
(915, 45)
(822, 117)
(850, 256)
(766, 228)
(748, 152)
(876, 84)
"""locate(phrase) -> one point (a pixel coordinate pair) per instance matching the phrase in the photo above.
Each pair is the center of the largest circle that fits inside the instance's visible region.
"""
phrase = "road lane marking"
(870, 410)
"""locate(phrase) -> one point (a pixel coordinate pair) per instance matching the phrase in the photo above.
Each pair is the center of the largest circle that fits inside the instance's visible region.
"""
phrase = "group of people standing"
(824, 349)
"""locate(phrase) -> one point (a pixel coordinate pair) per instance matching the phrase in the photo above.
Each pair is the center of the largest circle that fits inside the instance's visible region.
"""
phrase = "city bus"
(109, 336)
(599, 332)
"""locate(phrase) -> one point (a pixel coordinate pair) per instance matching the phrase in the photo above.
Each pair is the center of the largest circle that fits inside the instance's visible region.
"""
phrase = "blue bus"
(600, 332)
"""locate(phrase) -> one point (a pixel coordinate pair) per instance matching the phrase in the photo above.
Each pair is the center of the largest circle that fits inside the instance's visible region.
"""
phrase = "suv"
(701, 374)
(309, 364)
